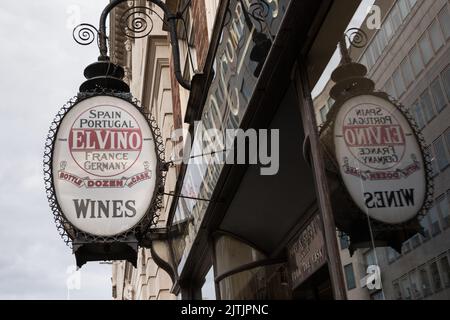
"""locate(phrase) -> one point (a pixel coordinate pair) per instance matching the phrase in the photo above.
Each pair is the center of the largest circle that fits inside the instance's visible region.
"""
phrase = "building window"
(330, 103)
(436, 277)
(397, 291)
(415, 241)
(447, 137)
(323, 113)
(445, 268)
(418, 115)
(407, 71)
(427, 105)
(406, 288)
(442, 205)
(446, 78)
(370, 259)
(425, 281)
(426, 228)
(398, 82)
(415, 290)
(392, 255)
(425, 48)
(344, 241)
(438, 95)
(350, 276)
(412, 3)
(434, 165)
(403, 6)
(389, 89)
(434, 219)
(436, 37)
(416, 60)
(444, 20)
(406, 248)
(441, 153)
(377, 296)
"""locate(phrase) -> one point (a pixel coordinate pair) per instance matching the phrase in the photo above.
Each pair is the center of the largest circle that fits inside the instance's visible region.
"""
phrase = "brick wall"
(201, 31)
(177, 117)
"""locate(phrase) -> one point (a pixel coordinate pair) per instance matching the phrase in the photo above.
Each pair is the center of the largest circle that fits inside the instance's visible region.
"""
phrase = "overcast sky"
(42, 68)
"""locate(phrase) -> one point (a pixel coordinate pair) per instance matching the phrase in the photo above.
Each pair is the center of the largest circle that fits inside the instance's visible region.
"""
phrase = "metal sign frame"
(329, 147)
(66, 229)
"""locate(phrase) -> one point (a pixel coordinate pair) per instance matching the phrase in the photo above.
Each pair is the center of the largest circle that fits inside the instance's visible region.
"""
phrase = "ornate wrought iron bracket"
(136, 27)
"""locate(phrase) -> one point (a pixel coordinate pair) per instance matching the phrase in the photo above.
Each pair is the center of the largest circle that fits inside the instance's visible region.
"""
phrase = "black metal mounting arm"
(86, 34)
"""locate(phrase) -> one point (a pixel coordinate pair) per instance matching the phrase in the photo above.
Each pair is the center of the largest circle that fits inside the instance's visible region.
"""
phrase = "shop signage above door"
(380, 159)
(307, 253)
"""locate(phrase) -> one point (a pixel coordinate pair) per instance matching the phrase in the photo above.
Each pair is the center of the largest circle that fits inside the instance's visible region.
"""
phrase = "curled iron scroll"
(356, 37)
(84, 34)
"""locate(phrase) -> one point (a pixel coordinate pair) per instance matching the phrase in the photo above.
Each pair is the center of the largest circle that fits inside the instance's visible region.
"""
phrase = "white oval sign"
(380, 159)
(104, 166)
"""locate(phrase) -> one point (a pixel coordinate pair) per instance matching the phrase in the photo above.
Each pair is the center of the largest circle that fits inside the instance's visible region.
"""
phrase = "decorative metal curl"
(137, 22)
(66, 230)
(84, 34)
(259, 10)
(356, 37)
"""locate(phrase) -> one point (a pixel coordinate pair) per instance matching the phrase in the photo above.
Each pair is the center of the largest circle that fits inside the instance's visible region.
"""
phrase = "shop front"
(249, 223)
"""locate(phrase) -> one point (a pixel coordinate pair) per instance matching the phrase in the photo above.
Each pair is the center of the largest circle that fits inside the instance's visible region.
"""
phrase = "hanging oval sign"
(380, 159)
(105, 166)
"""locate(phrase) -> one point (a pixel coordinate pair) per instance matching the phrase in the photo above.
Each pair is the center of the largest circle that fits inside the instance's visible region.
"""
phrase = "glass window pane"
(444, 20)
(418, 114)
(375, 51)
(412, 3)
(323, 113)
(426, 228)
(435, 276)
(427, 106)
(396, 18)
(443, 207)
(382, 38)
(389, 89)
(344, 240)
(436, 37)
(447, 138)
(330, 103)
(404, 9)
(416, 60)
(389, 28)
(446, 81)
(398, 293)
(415, 241)
(398, 82)
(208, 288)
(415, 285)
(369, 258)
(407, 72)
(441, 153)
(350, 276)
(406, 288)
(445, 269)
(438, 95)
(425, 282)
(434, 164)
(392, 255)
(434, 219)
(426, 49)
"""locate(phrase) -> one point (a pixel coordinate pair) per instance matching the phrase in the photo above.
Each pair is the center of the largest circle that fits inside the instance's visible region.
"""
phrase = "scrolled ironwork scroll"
(137, 22)
(84, 34)
(357, 37)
